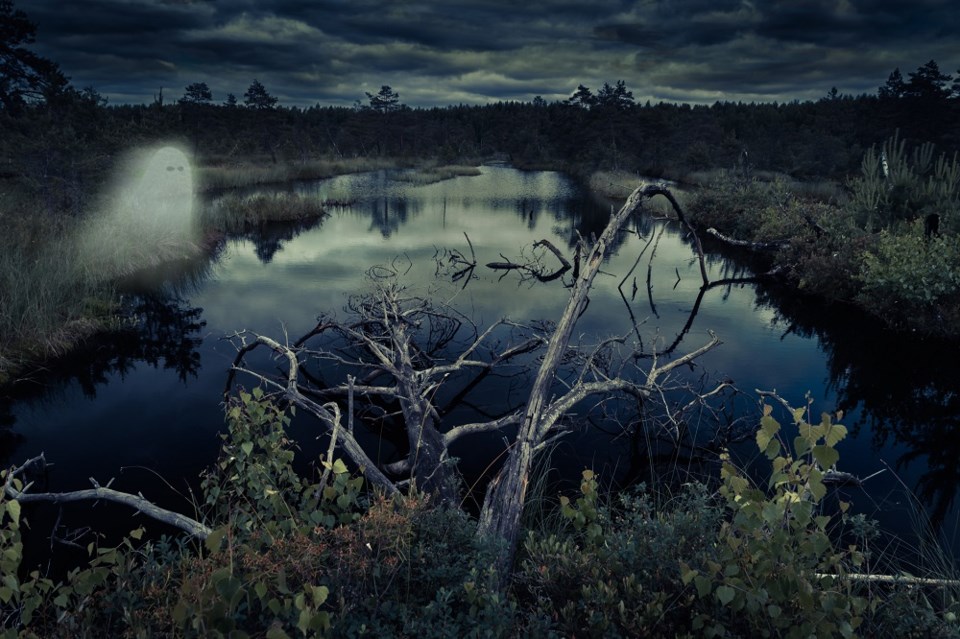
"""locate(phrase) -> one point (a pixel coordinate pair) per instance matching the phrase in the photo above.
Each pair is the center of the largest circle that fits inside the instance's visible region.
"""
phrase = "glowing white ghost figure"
(160, 193)
(145, 220)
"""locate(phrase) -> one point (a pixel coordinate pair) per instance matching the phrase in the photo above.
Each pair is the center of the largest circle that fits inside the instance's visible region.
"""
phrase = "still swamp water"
(145, 405)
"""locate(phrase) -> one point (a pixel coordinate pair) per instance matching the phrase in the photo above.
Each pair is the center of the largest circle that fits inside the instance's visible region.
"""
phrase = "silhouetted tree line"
(60, 141)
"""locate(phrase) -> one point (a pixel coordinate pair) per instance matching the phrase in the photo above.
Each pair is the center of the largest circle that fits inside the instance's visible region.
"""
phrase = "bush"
(913, 281)
(776, 571)
(290, 558)
(612, 571)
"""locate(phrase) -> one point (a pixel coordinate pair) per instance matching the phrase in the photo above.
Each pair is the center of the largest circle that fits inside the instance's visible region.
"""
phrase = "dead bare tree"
(400, 350)
(506, 496)
(397, 344)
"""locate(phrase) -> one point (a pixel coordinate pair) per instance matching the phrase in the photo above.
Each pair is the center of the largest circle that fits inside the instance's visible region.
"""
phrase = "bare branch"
(292, 394)
(98, 492)
(454, 434)
(657, 371)
(774, 245)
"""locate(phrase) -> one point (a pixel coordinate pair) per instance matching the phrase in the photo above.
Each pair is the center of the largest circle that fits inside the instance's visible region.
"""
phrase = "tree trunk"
(505, 498)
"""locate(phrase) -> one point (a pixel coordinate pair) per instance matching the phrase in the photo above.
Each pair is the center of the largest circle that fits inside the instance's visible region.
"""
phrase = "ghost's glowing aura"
(159, 192)
(146, 219)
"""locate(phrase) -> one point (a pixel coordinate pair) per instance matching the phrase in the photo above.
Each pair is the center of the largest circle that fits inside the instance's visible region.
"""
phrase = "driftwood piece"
(547, 244)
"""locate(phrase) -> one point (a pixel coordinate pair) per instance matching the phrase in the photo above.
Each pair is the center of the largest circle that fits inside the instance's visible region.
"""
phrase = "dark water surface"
(148, 402)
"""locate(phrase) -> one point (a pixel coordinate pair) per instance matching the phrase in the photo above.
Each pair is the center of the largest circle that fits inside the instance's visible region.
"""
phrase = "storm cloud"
(481, 51)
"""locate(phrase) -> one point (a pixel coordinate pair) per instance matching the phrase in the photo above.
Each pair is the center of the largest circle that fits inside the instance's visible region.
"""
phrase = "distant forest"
(55, 136)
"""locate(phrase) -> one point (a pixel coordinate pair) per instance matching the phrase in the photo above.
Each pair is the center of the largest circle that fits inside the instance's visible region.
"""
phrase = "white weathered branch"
(657, 371)
(905, 580)
(774, 245)
(98, 492)
(454, 434)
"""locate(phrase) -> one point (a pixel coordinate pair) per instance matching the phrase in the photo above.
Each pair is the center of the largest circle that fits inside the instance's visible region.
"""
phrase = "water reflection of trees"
(269, 237)
(161, 330)
(387, 215)
(907, 390)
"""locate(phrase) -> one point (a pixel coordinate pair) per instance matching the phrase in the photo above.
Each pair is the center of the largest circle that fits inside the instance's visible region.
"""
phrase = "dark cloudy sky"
(438, 52)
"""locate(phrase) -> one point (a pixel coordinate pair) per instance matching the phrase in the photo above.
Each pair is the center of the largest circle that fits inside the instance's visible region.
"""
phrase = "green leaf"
(834, 434)
(179, 612)
(826, 456)
(13, 507)
(247, 448)
(339, 467)
(769, 427)
(703, 586)
(687, 573)
(320, 594)
(772, 513)
(138, 533)
(772, 449)
(725, 594)
(214, 539)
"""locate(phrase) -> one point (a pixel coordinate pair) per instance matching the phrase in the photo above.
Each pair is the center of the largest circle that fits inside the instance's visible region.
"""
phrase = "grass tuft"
(436, 174)
(234, 213)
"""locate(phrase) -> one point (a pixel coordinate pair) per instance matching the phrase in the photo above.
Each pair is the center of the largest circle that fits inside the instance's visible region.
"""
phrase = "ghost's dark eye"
(180, 168)
(169, 168)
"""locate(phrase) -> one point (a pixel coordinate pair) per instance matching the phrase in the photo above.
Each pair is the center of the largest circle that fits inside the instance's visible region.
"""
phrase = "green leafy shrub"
(911, 280)
(612, 571)
(776, 571)
(254, 483)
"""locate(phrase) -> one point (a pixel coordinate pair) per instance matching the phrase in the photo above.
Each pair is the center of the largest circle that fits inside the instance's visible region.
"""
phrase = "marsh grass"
(432, 175)
(109, 249)
(817, 190)
(47, 304)
(219, 177)
(234, 213)
(58, 278)
(616, 185)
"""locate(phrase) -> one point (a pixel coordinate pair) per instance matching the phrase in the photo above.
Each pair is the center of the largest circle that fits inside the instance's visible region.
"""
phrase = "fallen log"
(774, 245)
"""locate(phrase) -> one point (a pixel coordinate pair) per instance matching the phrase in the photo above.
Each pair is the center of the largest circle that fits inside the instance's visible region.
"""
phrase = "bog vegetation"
(290, 556)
